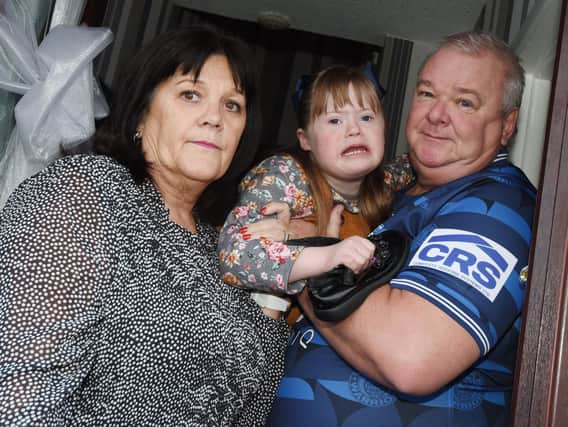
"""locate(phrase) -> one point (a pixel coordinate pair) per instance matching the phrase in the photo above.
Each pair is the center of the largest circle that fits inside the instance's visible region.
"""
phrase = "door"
(541, 391)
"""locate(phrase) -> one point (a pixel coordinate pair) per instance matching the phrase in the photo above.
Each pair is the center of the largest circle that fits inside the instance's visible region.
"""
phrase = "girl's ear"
(303, 139)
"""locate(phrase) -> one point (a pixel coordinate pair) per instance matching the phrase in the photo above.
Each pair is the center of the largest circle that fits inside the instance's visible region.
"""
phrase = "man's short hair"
(476, 43)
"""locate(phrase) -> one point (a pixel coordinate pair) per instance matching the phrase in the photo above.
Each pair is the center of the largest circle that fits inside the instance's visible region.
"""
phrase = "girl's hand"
(354, 252)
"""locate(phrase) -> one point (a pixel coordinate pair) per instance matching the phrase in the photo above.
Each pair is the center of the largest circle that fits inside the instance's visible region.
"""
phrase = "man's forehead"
(464, 71)
(454, 57)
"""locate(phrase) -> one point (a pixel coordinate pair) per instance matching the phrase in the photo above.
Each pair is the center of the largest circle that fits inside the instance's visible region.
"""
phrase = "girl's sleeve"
(263, 264)
(52, 262)
(399, 173)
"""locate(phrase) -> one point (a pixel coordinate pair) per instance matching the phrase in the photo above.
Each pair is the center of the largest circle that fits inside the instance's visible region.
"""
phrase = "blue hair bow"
(370, 74)
(304, 82)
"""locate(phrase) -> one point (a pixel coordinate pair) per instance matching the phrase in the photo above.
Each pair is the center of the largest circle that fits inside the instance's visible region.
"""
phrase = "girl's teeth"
(354, 151)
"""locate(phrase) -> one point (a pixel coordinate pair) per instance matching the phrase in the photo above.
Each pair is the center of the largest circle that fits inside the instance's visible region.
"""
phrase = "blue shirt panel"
(470, 244)
(494, 206)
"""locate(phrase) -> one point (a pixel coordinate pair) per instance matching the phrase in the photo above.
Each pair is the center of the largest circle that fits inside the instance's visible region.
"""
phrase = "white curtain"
(59, 96)
(66, 12)
(39, 13)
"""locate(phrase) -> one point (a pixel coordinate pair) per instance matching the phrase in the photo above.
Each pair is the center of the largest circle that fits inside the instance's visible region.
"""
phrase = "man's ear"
(303, 139)
(509, 126)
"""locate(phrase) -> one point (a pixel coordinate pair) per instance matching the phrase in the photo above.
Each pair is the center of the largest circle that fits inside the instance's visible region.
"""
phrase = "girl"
(341, 146)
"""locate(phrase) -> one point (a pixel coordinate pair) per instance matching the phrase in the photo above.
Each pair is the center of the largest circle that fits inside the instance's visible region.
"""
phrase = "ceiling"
(423, 21)
(362, 20)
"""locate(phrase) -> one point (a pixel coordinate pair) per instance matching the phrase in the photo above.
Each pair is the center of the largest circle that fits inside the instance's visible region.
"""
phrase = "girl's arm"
(264, 263)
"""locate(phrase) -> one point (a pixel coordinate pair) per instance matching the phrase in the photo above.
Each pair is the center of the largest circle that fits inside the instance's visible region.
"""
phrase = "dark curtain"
(280, 55)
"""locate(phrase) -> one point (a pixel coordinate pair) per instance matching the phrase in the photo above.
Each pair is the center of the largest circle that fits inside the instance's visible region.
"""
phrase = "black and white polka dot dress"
(111, 314)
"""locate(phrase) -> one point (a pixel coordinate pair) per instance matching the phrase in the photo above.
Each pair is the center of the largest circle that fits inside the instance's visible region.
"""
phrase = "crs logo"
(475, 259)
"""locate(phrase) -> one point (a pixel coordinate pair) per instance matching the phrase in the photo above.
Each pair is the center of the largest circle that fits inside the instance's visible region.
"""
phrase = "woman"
(112, 310)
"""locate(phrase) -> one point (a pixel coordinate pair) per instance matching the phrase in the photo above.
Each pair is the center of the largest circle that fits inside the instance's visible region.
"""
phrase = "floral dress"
(263, 264)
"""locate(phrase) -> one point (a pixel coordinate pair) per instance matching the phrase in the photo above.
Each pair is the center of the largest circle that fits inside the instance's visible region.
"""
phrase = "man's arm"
(459, 294)
(400, 340)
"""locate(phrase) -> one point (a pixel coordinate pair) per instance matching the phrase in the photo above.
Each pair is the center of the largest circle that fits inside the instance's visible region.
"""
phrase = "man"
(437, 346)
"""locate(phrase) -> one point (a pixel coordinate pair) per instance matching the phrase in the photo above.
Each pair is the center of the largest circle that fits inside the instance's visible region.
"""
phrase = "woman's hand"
(280, 228)
(271, 228)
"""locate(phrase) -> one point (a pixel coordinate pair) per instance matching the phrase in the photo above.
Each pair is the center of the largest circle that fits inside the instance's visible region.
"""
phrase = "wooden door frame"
(540, 395)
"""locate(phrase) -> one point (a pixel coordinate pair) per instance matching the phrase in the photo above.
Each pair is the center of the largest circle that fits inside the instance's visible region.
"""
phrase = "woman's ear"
(303, 139)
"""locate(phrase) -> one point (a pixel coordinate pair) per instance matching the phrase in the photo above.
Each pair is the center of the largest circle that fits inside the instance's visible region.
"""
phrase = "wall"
(419, 52)
(535, 43)
(533, 29)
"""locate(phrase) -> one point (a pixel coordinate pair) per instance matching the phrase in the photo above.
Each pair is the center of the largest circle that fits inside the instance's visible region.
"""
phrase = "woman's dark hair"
(186, 49)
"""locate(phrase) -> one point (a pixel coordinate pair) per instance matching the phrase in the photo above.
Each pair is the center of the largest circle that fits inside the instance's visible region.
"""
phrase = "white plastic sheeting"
(66, 12)
(60, 98)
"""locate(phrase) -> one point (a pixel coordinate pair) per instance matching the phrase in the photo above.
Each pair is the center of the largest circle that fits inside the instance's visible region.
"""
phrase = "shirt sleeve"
(263, 264)
(52, 262)
(470, 257)
(399, 173)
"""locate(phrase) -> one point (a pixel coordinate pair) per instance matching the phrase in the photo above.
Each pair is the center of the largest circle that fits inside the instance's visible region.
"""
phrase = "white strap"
(270, 301)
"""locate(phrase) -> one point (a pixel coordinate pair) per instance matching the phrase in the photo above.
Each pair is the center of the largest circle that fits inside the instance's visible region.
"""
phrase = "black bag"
(337, 293)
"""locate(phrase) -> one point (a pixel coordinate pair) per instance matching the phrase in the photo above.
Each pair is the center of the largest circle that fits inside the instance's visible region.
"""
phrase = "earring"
(137, 138)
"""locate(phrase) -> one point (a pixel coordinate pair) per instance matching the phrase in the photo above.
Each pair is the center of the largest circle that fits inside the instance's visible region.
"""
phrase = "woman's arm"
(52, 260)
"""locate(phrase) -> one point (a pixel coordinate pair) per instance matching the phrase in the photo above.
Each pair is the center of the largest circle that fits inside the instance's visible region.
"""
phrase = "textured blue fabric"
(471, 240)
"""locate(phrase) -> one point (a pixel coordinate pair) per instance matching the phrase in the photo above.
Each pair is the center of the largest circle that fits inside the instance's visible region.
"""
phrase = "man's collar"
(502, 155)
